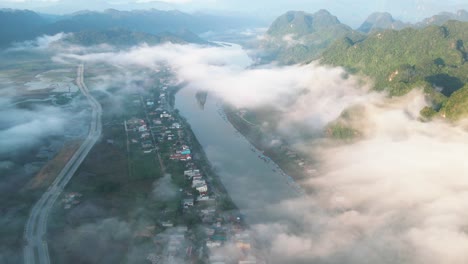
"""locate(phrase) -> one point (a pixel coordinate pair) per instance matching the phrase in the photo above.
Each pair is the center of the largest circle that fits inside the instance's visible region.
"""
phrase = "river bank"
(146, 192)
(254, 183)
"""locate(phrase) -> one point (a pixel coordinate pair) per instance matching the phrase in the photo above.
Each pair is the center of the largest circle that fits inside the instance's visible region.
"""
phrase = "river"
(253, 183)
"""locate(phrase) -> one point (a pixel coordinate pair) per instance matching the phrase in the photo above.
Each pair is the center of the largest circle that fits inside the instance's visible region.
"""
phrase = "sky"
(352, 12)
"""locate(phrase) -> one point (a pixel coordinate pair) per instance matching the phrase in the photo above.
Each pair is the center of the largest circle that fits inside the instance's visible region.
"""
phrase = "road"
(36, 247)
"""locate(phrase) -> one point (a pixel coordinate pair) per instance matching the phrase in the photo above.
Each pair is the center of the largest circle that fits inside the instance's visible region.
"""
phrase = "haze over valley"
(208, 134)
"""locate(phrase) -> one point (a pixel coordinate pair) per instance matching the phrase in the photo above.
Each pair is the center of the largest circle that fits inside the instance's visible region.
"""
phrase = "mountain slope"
(434, 57)
(443, 17)
(174, 26)
(379, 21)
(127, 38)
(299, 36)
(302, 23)
(19, 25)
(147, 21)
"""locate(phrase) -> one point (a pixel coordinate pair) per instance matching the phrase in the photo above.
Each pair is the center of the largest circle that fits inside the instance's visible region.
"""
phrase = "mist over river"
(254, 184)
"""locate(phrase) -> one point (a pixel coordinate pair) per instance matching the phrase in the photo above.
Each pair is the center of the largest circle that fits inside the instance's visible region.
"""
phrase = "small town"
(162, 133)
(233, 132)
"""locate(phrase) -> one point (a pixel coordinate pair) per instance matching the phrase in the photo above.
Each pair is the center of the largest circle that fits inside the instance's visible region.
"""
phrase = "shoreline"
(254, 137)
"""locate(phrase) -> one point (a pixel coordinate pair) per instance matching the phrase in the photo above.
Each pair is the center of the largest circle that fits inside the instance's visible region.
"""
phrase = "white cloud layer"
(23, 128)
(399, 195)
(222, 70)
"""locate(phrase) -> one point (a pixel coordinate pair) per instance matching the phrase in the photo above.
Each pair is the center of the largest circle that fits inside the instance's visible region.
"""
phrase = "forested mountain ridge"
(443, 17)
(23, 25)
(298, 36)
(19, 25)
(381, 21)
(127, 38)
(434, 57)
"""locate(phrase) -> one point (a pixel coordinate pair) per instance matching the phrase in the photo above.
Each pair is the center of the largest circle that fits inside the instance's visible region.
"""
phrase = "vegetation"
(341, 131)
(379, 21)
(126, 38)
(148, 21)
(427, 113)
(22, 25)
(120, 27)
(456, 106)
(443, 17)
(298, 36)
(345, 127)
(434, 58)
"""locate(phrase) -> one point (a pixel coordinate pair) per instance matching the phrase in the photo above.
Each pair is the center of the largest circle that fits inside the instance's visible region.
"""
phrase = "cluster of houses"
(236, 236)
(159, 127)
(174, 244)
(142, 136)
(71, 199)
(183, 154)
(198, 182)
(220, 228)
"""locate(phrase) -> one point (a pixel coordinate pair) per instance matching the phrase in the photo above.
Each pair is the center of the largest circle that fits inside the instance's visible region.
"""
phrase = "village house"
(145, 135)
(147, 144)
(188, 202)
(192, 173)
(213, 244)
(196, 183)
(180, 157)
(197, 178)
(202, 189)
(165, 115)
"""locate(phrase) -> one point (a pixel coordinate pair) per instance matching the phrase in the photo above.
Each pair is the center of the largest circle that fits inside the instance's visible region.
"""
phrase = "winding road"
(36, 247)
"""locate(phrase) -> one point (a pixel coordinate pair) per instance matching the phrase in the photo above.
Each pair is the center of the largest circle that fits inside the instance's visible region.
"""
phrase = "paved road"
(36, 248)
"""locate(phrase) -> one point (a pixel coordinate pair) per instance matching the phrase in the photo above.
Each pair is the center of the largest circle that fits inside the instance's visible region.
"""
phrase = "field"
(36, 158)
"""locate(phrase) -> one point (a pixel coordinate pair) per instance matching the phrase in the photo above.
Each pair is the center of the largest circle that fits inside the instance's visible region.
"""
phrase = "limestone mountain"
(298, 36)
(441, 18)
(379, 21)
(434, 57)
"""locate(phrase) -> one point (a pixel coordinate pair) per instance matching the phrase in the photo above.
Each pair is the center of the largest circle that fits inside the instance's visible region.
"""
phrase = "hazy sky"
(348, 11)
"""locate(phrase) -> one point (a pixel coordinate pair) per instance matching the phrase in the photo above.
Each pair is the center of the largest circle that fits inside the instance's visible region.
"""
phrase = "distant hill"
(299, 36)
(443, 17)
(174, 25)
(126, 38)
(379, 21)
(19, 25)
(147, 21)
(383, 20)
(434, 57)
(302, 23)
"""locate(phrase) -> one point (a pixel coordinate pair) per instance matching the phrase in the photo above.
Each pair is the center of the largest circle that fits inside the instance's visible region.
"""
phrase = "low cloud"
(164, 189)
(39, 44)
(23, 128)
(398, 195)
(223, 71)
(104, 241)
